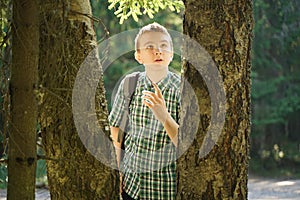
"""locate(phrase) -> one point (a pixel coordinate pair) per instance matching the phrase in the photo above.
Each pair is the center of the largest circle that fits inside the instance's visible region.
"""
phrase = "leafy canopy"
(135, 8)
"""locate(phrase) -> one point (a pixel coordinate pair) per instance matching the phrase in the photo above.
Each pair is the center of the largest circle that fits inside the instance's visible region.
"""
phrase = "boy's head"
(153, 45)
(154, 27)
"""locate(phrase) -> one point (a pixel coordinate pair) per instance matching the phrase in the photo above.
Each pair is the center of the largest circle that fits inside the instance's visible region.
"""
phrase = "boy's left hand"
(156, 102)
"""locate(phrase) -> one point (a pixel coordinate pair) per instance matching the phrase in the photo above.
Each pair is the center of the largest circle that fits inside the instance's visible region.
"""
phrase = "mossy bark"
(67, 37)
(24, 72)
(224, 29)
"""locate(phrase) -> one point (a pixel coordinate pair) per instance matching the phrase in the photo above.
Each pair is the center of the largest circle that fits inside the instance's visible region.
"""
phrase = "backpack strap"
(129, 86)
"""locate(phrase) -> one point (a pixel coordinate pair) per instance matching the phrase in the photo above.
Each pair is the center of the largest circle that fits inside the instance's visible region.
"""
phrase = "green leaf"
(171, 7)
(149, 13)
(135, 17)
(126, 8)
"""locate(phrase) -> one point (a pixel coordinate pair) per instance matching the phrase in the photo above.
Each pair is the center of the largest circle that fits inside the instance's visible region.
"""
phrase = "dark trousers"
(125, 196)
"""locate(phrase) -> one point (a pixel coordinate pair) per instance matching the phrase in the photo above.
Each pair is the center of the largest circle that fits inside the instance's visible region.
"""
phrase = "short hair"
(154, 27)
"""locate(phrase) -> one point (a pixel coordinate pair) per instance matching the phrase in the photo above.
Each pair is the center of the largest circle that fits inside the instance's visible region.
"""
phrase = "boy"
(148, 169)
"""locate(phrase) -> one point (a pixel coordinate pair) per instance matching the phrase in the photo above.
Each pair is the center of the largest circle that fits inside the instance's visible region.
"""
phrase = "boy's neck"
(157, 74)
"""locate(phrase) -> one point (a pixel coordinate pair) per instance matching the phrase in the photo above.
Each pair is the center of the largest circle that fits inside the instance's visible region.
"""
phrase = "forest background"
(275, 138)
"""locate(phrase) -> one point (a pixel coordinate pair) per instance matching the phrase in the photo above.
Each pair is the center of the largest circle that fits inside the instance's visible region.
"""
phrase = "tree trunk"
(24, 73)
(224, 29)
(67, 37)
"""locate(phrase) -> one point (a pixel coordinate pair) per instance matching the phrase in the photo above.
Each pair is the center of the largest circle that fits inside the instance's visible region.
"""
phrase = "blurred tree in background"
(276, 91)
(24, 106)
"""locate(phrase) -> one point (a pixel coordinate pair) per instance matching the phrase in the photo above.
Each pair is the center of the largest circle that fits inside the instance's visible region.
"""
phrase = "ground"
(266, 189)
(259, 189)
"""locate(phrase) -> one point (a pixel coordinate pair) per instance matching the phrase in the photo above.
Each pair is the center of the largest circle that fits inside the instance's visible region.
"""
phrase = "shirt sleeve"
(117, 111)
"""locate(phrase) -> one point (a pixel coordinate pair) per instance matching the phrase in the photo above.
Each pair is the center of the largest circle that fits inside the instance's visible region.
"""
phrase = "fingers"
(150, 99)
(150, 105)
(157, 95)
(157, 90)
(149, 96)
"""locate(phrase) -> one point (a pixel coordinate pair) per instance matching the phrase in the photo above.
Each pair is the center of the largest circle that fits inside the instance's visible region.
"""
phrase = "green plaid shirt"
(149, 164)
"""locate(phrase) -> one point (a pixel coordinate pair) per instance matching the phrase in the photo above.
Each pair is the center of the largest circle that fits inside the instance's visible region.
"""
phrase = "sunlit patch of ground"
(266, 189)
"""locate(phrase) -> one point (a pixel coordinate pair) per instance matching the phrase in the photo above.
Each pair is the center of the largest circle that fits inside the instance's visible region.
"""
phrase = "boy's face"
(155, 50)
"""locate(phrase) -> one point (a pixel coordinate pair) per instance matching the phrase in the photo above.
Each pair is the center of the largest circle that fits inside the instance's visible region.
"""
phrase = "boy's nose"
(158, 51)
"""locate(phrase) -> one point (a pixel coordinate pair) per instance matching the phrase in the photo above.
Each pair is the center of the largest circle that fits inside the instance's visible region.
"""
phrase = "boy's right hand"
(156, 102)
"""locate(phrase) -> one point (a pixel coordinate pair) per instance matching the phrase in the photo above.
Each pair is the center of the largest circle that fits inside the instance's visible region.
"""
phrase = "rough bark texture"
(224, 29)
(22, 137)
(67, 37)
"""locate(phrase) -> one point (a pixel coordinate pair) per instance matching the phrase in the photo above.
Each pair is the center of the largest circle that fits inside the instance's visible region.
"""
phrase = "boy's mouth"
(158, 60)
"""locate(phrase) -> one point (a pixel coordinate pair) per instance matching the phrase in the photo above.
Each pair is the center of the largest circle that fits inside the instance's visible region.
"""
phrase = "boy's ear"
(171, 54)
(171, 58)
(137, 57)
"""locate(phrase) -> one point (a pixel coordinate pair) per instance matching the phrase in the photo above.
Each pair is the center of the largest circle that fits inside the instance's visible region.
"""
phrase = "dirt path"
(40, 194)
(266, 189)
(259, 189)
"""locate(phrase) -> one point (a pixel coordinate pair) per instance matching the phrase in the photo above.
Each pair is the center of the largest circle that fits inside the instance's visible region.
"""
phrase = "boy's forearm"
(171, 127)
(114, 131)
(114, 135)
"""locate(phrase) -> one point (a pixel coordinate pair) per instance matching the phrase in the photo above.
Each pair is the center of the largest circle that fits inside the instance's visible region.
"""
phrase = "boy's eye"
(149, 47)
(164, 45)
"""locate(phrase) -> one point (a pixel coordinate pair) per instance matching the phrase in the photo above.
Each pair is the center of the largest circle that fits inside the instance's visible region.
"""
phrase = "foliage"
(3, 176)
(275, 91)
(127, 8)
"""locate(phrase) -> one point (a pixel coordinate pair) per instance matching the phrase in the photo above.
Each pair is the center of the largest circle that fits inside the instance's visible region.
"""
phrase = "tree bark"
(224, 29)
(23, 85)
(67, 37)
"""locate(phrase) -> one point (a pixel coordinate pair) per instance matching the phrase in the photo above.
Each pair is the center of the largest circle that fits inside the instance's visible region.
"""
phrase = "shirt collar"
(162, 84)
